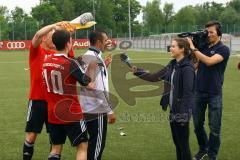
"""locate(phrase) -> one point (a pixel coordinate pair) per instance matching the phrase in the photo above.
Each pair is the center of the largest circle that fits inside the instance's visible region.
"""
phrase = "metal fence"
(26, 29)
(157, 40)
(162, 42)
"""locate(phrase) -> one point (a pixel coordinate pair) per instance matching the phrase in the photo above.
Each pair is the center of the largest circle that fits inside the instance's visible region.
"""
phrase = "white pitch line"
(140, 59)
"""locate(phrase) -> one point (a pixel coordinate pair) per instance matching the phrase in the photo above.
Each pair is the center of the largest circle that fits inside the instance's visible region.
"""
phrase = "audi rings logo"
(16, 45)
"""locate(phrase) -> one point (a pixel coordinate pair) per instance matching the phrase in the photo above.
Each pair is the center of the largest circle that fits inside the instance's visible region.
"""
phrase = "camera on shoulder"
(199, 38)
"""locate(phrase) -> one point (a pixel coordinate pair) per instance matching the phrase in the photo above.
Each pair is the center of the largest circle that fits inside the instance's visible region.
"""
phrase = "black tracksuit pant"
(180, 135)
(97, 130)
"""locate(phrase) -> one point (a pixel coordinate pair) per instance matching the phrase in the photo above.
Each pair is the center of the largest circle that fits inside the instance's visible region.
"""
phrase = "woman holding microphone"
(180, 73)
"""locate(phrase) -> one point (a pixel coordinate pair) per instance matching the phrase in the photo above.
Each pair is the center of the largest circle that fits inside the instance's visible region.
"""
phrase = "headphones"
(218, 28)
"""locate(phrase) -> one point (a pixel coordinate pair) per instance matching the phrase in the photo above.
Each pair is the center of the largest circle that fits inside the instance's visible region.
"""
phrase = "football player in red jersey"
(37, 109)
(65, 116)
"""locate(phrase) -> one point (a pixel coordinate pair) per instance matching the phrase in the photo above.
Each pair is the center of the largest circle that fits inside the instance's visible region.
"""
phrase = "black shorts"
(76, 132)
(37, 115)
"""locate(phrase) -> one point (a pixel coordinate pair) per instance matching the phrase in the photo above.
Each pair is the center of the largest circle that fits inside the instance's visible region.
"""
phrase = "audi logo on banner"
(16, 45)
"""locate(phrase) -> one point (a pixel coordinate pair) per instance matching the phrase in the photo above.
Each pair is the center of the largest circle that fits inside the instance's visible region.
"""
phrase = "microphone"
(124, 58)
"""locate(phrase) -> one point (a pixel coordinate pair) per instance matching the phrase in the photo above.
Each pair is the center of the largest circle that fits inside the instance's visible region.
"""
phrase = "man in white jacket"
(95, 103)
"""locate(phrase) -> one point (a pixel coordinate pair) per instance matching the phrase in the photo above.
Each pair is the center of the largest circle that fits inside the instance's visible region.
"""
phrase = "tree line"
(190, 18)
(112, 15)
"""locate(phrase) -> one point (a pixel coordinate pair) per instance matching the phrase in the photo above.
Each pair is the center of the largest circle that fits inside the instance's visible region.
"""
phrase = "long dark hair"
(183, 43)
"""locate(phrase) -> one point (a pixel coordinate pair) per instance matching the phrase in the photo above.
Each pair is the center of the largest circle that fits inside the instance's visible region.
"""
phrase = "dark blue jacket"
(183, 91)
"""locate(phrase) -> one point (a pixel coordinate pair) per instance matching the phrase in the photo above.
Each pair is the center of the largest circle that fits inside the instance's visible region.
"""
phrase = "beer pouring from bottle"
(86, 20)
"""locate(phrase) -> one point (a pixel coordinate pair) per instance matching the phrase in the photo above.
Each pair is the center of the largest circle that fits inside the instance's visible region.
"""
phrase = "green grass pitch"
(145, 139)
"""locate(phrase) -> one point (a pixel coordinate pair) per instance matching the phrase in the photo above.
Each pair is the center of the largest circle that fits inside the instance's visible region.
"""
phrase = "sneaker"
(200, 155)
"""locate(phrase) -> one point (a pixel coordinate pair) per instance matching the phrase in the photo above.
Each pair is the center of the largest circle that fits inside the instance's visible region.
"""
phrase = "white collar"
(60, 54)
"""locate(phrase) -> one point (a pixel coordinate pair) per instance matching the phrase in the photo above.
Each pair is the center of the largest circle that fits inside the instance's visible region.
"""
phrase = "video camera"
(199, 38)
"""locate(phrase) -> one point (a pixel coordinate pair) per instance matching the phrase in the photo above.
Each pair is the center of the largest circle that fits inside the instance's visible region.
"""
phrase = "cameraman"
(210, 75)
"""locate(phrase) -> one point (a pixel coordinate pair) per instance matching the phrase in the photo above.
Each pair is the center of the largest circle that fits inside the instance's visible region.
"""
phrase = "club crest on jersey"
(212, 52)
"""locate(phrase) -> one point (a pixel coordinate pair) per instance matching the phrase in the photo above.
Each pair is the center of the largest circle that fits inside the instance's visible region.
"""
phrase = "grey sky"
(28, 4)
(25, 4)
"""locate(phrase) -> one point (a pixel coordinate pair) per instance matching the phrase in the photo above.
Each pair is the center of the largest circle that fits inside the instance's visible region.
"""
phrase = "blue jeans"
(210, 144)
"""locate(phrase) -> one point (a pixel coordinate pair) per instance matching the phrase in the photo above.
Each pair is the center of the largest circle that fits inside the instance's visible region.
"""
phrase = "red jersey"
(36, 56)
(61, 86)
